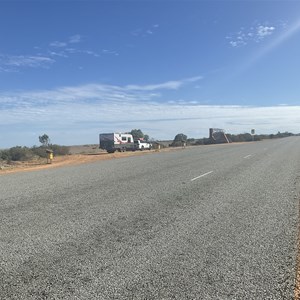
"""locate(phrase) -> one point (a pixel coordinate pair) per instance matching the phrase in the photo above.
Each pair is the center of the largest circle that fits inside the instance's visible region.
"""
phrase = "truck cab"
(142, 145)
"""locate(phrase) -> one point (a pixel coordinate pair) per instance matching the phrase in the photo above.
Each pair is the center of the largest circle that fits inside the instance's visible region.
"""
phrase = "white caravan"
(116, 141)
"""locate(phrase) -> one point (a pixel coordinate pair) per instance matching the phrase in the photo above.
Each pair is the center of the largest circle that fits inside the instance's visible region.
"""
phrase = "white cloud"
(11, 62)
(249, 35)
(58, 44)
(169, 85)
(90, 109)
(263, 31)
(75, 39)
(68, 46)
(106, 51)
(145, 31)
(60, 54)
(58, 49)
(285, 34)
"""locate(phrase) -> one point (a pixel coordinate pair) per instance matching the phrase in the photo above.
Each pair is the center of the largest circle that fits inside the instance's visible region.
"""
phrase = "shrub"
(179, 140)
(57, 150)
(4, 155)
(19, 153)
(39, 151)
(60, 150)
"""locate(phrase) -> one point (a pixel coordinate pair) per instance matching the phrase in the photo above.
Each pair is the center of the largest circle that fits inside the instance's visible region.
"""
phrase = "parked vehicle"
(142, 145)
(112, 142)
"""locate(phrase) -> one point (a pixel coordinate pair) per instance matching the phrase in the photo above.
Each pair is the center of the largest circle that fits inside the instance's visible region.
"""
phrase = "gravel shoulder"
(68, 160)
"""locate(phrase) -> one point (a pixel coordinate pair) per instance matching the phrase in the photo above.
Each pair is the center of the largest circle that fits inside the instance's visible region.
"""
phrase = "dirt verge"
(59, 161)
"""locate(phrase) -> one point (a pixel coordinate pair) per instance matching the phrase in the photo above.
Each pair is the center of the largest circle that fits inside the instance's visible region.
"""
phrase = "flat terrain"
(79, 155)
(210, 222)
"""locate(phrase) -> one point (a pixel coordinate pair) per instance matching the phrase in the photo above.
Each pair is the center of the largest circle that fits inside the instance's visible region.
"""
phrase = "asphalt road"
(208, 222)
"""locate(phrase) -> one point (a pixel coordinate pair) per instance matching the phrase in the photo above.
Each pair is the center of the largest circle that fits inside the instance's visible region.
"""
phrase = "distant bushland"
(241, 137)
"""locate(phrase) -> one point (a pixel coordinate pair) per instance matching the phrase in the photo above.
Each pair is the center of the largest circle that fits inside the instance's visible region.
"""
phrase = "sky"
(75, 69)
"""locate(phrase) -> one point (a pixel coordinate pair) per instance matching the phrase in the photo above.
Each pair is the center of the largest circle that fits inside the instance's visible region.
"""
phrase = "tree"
(179, 140)
(44, 140)
(137, 134)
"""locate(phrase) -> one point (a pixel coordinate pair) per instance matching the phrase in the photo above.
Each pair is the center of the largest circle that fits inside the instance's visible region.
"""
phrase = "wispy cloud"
(263, 31)
(144, 32)
(14, 62)
(68, 47)
(112, 52)
(44, 58)
(93, 94)
(77, 38)
(58, 44)
(74, 39)
(75, 115)
(253, 34)
(171, 85)
(286, 33)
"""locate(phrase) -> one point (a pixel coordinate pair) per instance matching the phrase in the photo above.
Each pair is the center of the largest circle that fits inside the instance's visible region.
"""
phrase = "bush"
(179, 140)
(60, 150)
(39, 151)
(57, 150)
(19, 153)
(4, 155)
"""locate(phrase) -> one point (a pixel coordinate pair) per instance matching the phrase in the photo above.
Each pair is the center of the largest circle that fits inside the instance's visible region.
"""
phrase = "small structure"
(157, 145)
(49, 156)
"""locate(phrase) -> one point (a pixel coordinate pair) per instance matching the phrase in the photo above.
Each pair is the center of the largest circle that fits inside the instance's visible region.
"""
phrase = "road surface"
(207, 222)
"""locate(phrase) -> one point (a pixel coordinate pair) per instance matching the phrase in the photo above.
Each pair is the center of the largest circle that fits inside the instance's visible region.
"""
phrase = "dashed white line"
(201, 175)
(247, 156)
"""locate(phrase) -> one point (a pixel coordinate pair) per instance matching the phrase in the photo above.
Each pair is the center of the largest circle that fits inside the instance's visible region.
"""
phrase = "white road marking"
(201, 175)
(248, 156)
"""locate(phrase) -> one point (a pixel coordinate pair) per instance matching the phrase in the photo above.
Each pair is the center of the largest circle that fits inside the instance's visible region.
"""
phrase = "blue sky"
(74, 69)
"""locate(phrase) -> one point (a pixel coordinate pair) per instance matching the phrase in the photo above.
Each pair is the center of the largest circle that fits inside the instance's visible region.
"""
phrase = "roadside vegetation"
(19, 153)
(233, 138)
(138, 134)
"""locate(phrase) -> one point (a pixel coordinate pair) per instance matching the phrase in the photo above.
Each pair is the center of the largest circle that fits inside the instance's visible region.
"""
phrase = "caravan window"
(124, 138)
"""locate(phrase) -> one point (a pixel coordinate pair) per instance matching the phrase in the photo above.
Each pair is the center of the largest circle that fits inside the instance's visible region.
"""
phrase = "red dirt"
(59, 161)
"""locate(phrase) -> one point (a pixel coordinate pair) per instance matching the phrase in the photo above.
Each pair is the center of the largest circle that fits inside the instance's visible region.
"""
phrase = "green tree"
(179, 140)
(44, 140)
(137, 134)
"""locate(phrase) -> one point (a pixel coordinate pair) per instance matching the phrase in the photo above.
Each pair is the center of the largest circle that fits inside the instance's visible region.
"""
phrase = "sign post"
(252, 133)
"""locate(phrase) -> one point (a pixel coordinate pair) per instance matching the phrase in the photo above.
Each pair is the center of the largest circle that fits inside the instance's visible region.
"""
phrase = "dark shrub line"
(19, 153)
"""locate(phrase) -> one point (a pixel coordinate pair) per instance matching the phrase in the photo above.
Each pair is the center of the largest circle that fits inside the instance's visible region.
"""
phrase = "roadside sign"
(252, 131)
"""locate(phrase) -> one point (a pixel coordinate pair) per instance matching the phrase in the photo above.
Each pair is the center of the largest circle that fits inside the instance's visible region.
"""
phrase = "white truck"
(112, 142)
(140, 144)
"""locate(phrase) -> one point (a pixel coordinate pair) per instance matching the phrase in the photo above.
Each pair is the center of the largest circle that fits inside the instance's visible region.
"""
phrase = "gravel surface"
(210, 222)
